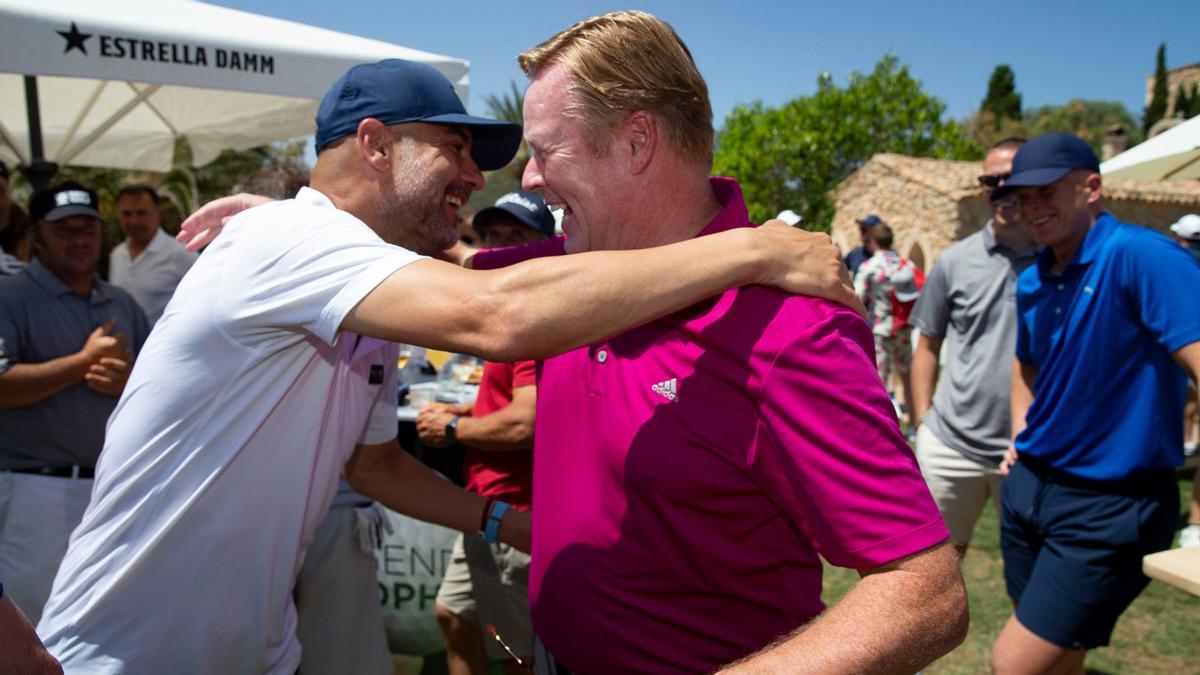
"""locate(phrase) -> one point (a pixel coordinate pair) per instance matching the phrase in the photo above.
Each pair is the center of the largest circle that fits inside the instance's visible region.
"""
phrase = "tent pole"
(39, 172)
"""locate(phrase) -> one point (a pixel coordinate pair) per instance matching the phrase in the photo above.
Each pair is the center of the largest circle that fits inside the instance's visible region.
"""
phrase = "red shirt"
(690, 471)
(503, 475)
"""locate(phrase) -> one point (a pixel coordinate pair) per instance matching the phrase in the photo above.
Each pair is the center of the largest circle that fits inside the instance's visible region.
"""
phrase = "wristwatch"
(451, 429)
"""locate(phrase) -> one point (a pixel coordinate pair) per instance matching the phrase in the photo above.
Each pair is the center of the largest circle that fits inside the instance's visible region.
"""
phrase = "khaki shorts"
(489, 584)
(960, 485)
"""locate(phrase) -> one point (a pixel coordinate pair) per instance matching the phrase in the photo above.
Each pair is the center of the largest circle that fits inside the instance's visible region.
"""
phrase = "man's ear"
(374, 144)
(640, 132)
(1094, 187)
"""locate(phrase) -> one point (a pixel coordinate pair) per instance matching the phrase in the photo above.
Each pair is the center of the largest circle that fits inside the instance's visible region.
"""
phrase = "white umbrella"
(118, 81)
(1175, 153)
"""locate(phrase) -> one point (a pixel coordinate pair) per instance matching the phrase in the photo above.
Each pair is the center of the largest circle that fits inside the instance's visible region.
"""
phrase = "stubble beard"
(413, 215)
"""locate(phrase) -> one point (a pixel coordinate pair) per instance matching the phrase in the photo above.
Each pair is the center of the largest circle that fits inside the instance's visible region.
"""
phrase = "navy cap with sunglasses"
(1046, 159)
(395, 91)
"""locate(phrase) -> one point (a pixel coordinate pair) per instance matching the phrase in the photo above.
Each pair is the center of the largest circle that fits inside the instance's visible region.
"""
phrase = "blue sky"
(774, 51)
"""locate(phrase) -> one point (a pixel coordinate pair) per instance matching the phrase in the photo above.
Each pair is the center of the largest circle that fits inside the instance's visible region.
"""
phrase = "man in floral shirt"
(889, 285)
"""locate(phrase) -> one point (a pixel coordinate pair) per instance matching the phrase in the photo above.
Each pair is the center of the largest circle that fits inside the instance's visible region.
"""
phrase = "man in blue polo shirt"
(1099, 382)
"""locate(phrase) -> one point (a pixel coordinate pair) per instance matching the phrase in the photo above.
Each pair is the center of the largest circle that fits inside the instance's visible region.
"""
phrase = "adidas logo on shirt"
(667, 389)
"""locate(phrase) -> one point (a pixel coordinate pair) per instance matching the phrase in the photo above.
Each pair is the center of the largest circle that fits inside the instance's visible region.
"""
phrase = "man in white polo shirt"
(262, 381)
(149, 263)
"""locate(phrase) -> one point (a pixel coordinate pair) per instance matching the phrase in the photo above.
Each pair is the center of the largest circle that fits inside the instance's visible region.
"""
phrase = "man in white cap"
(1187, 231)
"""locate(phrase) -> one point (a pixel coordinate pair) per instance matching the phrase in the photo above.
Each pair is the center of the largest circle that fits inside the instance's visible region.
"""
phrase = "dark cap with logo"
(1046, 159)
(869, 221)
(63, 201)
(527, 207)
(395, 91)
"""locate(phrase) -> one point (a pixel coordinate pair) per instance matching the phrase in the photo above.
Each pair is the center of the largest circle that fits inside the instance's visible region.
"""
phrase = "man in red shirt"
(489, 584)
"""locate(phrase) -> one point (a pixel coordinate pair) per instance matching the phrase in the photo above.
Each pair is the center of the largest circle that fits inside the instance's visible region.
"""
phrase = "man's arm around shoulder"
(900, 617)
(543, 307)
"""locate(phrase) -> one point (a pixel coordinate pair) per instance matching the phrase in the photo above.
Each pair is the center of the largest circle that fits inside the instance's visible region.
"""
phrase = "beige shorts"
(489, 584)
(960, 485)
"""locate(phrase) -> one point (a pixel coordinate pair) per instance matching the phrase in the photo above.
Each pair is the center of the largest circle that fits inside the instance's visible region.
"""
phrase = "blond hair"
(627, 61)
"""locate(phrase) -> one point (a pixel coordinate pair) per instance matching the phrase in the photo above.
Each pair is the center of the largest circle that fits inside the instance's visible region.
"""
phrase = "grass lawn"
(1159, 633)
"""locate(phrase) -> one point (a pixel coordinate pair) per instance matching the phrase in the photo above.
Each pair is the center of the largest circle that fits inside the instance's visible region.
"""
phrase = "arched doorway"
(917, 255)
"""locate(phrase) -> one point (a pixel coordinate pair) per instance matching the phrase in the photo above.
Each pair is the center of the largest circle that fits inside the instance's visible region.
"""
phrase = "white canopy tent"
(1174, 153)
(117, 82)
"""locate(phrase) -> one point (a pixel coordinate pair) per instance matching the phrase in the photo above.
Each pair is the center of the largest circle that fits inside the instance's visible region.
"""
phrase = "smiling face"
(572, 175)
(433, 174)
(1059, 214)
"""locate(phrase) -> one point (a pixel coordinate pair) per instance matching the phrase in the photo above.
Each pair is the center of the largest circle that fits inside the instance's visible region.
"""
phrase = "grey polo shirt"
(969, 301)
(42, 319)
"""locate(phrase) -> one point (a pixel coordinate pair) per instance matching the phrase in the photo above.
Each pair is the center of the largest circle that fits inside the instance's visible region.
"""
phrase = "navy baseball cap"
(395, 91)
(63, 201)
(870, 221)
(527, 207)
(1046, 159)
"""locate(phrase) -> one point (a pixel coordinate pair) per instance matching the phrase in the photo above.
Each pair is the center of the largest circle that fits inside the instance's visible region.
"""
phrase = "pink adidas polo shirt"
(688, 473)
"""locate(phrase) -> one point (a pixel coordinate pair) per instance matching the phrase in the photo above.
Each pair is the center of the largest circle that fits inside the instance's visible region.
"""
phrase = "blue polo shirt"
(1108, 399)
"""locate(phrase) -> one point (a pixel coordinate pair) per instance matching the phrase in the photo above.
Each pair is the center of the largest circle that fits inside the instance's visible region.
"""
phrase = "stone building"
(932, 203)
(1188, 76)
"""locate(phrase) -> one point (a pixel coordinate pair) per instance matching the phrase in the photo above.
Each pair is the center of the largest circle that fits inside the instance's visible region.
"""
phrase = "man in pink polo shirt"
(690, 471)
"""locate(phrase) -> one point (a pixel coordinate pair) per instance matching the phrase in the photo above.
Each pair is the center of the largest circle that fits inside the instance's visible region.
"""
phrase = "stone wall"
(1188, 75)
(1160, 216)
(919, 216)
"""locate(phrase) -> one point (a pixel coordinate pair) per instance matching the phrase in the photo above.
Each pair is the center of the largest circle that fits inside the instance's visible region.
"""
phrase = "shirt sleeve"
(10, 327)
(1160, 279)
(281, 275)
(381, 424)
(524, 373)
(495, 258)
(1025, 314)
(931, 314)
(862, 280)
(836, 461)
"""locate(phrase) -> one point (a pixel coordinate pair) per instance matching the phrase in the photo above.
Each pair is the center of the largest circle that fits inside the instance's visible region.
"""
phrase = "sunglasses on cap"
(991, 181)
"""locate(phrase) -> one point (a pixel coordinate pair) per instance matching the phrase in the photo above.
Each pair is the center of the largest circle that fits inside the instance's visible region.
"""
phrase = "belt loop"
(74, 472)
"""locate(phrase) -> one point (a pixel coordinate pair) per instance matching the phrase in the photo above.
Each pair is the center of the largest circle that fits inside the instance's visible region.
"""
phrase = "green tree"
(1183, 101)
(1158, 99)
(1002, 100)
(182, 189)
(1089, 120)
(792, 156)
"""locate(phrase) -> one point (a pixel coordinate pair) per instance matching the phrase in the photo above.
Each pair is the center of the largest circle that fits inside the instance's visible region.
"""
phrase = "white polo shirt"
(151, 278)
(225, 449)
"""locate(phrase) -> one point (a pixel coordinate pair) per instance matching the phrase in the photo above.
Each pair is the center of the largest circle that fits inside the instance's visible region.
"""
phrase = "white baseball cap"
(790, 217)
(1188, 227)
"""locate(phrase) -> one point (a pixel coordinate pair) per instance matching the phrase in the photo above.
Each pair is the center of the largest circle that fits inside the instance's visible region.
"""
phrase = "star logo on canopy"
(75, 39)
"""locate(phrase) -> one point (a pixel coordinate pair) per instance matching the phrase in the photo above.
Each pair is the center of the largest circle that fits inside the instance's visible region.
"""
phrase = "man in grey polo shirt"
(969, 301)
(66, 347)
